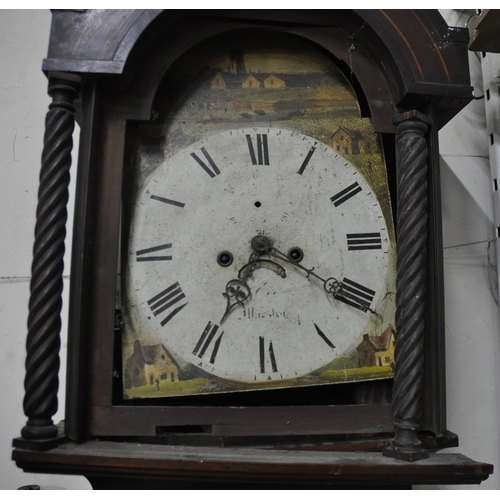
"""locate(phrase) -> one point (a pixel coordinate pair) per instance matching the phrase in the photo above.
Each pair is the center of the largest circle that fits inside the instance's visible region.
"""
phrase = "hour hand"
(237, 291)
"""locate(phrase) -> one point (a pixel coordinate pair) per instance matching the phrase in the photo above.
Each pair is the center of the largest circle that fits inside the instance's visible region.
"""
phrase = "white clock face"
(216, 196)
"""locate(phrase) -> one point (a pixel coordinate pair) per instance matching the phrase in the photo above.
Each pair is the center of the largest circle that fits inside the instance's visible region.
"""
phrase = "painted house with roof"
(377, 350)
(223, 80)
(350, 142)
(149, 364)
(237, 76)
(252, 81)
(264, 80)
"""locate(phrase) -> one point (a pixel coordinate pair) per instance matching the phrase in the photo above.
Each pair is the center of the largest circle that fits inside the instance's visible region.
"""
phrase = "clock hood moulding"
(424, 61)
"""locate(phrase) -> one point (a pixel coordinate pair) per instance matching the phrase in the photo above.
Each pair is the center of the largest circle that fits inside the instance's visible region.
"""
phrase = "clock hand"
(237, 290)
(331, 285)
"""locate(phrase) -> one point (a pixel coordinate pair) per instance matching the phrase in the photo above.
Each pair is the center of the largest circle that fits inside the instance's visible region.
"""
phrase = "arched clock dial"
(199, 283)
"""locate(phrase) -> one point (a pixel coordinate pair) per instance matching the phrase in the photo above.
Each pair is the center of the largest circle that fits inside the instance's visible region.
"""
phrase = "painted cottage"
(350, 142)
(149, 365)
(377, 350)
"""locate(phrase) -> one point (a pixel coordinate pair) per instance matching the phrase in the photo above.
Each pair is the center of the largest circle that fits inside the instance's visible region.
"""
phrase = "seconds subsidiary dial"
(258, 255)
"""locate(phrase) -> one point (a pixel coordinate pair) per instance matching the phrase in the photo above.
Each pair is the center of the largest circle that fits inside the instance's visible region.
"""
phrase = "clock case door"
(360, 414)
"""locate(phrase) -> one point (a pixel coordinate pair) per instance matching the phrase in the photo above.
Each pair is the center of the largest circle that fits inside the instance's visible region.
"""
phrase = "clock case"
(410, 72)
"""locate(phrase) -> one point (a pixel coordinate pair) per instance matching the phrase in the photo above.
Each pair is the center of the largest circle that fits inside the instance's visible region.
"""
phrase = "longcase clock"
(257, 291)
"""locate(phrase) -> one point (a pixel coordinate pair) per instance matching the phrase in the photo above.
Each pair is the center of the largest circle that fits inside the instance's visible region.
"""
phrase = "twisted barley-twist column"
(44, 321)
(410, 286)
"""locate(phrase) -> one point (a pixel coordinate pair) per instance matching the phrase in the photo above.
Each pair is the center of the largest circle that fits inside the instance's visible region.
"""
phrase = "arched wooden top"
(424, 47)
(415, 53)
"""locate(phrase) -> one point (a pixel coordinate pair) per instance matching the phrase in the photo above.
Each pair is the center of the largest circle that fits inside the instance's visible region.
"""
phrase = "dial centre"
(261, 244)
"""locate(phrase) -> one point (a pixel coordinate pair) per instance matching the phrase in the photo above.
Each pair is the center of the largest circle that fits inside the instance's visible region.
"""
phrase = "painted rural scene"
(151, 371)
(240, 85)
(291, 86)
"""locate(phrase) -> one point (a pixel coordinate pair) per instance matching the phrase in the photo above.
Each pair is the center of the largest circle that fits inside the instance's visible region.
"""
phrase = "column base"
(40, 437)
(38, 428)
(405, 455)
(406, 445)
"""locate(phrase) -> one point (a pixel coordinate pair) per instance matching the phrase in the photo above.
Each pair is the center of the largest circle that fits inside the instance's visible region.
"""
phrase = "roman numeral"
(262, 157)
(206, 339)
(355, 295)
(165, 300)
(139, 254)
(262, 356)
(345, 194)
(364, 241)
(212, 172)
(306, 161)
(167, 201)
(323, 336)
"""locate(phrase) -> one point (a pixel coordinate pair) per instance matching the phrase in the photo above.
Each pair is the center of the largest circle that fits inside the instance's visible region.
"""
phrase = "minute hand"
(331, 285)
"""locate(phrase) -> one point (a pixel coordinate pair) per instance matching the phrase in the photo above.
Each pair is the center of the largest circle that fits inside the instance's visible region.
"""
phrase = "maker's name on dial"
(251, 313)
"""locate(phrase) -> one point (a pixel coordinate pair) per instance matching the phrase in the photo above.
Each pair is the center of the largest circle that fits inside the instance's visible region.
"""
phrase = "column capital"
(411, 115)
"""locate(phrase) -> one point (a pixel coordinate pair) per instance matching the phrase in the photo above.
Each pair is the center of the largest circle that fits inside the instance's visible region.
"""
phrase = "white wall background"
(472, 319)
(24, 36)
